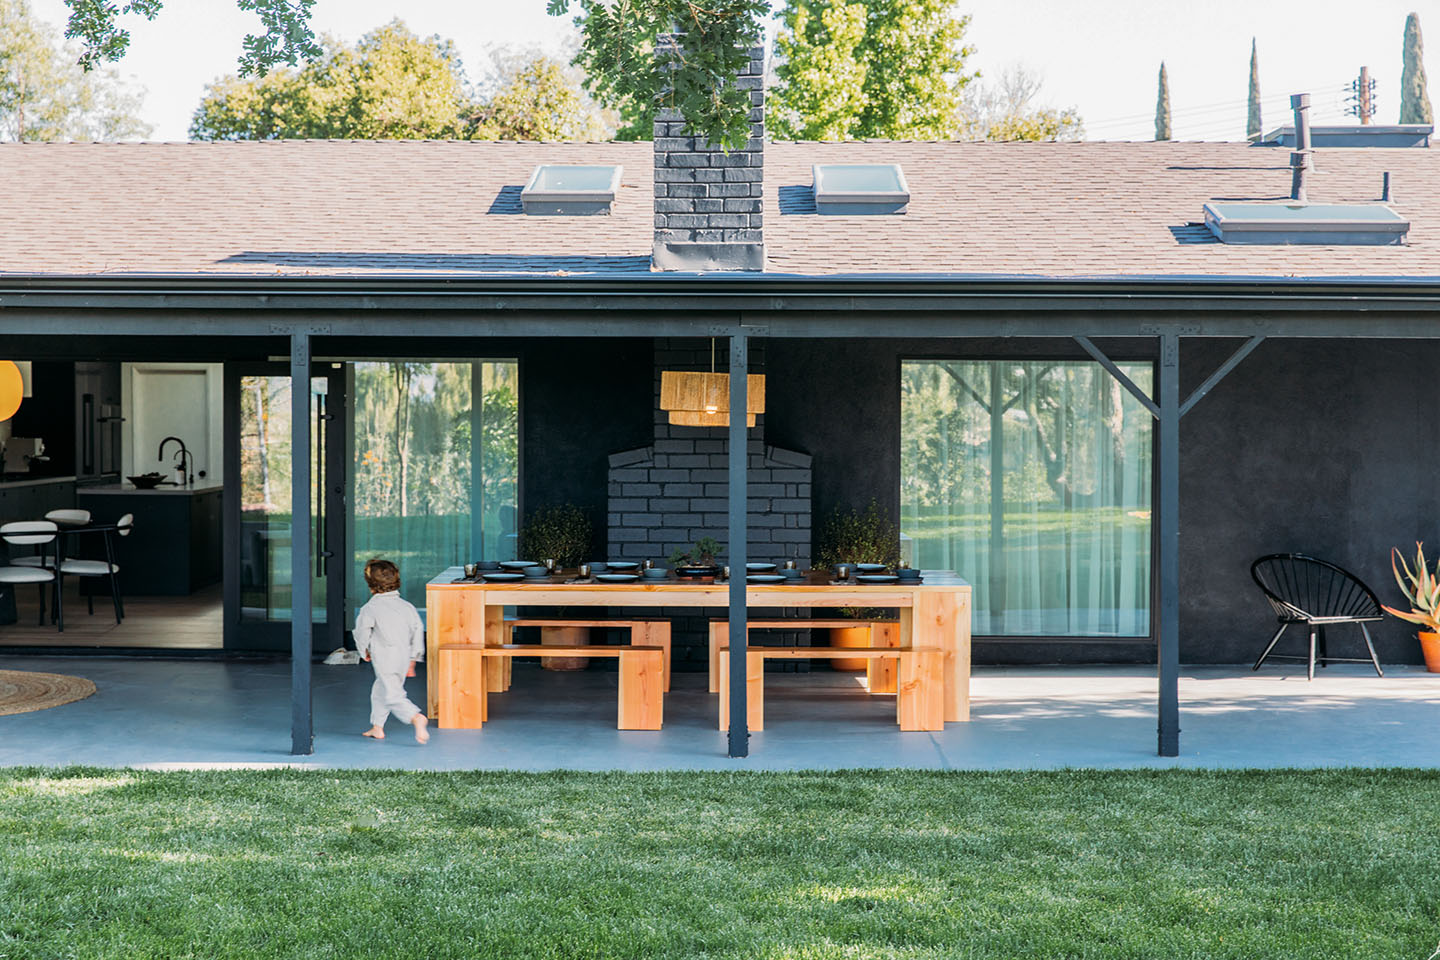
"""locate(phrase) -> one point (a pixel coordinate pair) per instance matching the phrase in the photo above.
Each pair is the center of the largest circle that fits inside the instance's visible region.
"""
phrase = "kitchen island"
(175, 546)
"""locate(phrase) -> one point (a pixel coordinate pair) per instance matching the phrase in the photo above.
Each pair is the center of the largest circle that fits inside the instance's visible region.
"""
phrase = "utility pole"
(1362, 97)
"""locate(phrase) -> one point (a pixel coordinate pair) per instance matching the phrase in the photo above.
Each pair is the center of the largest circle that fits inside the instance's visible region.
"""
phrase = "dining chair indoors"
(103, 568)
(39, 534)
(1302, 589)
(45, 554)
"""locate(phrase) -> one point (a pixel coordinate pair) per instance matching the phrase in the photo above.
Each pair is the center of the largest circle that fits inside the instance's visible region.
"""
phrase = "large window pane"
(434, 473)
(1031, 479)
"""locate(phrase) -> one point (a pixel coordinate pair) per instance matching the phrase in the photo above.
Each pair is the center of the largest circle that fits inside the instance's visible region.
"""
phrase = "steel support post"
(302, 726)
(739, 517)
(1168, 395)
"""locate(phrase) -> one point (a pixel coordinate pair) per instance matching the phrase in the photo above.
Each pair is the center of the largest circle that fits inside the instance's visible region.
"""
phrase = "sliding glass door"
(1031, 479)
(434, 470)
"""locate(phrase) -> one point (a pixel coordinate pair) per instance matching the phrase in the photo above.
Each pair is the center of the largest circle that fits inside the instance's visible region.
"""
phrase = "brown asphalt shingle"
(452, 208)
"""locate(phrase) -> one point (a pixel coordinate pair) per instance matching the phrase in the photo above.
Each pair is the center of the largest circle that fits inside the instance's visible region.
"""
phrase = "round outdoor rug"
(22, 691)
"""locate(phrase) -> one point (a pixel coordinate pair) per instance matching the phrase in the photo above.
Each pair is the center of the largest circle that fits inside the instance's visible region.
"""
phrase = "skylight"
(558, 189)
(1318, 223)
(860, 188)
(1356, 135)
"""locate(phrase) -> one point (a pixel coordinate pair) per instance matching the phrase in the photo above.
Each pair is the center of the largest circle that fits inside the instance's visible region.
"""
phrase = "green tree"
(1162, 106)
(1253, 124)
(391, 85)
(536, 101)
(44, 95)
(1414, 98)
(629, 71)
(1005, 110)
(901, 78)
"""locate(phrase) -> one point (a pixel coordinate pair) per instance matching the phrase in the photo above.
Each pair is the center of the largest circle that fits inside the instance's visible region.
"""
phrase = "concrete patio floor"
(178, 713)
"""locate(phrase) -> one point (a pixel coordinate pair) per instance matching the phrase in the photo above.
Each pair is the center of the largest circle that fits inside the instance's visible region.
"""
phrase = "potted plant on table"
(852, 536)
(560, 533)
(1421, 587)
(698, 561)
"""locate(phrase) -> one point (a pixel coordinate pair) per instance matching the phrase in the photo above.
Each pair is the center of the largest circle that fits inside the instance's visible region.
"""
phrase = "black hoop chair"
(1302, 589)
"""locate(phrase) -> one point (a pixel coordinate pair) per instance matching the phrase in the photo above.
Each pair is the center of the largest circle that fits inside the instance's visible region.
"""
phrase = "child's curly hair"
(382, 576)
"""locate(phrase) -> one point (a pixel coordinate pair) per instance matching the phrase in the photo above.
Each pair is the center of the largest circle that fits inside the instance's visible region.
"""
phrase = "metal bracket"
(286, 329)
(1118, 374)
(1220, 373)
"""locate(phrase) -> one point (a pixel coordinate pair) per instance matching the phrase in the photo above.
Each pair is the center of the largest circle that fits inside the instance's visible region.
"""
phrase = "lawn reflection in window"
(1031, 479)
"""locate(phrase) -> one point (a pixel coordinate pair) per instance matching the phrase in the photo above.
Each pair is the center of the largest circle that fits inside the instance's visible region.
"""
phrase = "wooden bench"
(879, 673)
(464, 702)
(920, 690)
(645, 633)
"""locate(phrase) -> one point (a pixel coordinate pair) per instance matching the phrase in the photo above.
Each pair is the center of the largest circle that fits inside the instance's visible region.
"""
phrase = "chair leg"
(1310, 667)
(1371, 647)
(1273, 640)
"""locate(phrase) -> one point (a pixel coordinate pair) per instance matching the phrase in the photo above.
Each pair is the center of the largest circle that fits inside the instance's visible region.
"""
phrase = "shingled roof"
(345, 208)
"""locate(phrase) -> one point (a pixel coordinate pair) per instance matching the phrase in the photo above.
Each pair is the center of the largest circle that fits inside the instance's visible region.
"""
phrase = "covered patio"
(167, 713)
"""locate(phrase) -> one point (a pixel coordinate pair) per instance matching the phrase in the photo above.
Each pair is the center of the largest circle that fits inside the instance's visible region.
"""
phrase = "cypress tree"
(1162, 106)
(1414, 99)
(1253, 127)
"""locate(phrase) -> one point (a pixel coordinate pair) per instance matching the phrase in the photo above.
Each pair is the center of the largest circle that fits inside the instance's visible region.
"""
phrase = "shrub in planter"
(852, 536)
(561, 533)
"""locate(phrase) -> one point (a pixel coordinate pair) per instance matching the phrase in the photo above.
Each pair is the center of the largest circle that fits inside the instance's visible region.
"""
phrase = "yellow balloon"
(12, 388)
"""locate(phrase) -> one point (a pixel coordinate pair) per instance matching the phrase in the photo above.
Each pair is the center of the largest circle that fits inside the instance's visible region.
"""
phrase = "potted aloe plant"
(1422, 589)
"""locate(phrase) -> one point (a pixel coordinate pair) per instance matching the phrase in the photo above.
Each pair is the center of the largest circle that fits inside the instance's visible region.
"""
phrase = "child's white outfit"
(388, 627)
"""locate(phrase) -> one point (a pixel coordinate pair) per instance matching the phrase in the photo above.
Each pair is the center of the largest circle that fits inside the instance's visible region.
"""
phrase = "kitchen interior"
(119, 439)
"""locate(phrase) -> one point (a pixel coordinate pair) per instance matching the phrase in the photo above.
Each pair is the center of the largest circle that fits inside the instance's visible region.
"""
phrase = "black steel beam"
(302, 728)
(1119, 375)
(1168, 393)
(1220, 373)
(739, 733)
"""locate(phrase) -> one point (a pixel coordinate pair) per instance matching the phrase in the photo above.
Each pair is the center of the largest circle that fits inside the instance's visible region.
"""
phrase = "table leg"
(719, 633)
(920, 700)
(493, 634)
(943, 620)
(460, 674)
(654, 633)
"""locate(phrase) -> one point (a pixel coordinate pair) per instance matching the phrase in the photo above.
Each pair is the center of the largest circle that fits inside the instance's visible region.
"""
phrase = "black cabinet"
(97, 420)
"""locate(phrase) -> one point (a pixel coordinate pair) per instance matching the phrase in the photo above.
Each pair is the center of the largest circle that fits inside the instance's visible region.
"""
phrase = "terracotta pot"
(564, 637)
(1430, 647)
(857, 636)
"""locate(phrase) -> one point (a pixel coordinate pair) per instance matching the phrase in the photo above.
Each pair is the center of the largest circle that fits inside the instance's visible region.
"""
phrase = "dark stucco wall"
(1320, 446)
(580, 401)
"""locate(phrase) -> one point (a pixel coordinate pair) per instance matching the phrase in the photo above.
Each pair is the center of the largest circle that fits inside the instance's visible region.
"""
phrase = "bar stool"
(103, 568)
(61, 518)
(33, 533)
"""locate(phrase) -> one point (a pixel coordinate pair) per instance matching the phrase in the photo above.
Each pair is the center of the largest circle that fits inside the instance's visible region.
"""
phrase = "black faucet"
(187, 460)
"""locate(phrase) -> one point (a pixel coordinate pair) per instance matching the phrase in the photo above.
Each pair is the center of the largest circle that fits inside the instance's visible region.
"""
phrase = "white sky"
(1100, 56)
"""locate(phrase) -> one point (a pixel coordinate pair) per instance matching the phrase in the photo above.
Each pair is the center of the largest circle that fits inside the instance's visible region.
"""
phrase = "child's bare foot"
(421, 722)
(374, 732)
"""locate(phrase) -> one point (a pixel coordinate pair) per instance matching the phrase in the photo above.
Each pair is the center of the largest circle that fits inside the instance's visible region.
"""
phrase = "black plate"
(492, 576)
(765, 578)
(617, 577)
(876, 578)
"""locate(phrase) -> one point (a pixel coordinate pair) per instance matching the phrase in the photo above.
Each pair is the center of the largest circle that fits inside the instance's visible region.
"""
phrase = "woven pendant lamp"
(694, 398)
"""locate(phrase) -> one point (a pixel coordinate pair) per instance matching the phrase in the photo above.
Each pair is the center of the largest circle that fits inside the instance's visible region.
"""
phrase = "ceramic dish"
(488, 565)
(656, 574)
(793, 574)
(599, 566)
(759, 567)
(536, 572)
(869, 567)
(908, 573)
(516, 564)
(621, 564)
(765, 578)
(876, 578)
(493, 577)
(617, 577)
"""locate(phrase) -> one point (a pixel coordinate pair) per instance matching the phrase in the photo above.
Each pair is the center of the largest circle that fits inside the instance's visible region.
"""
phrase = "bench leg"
(463, 701)
(881, 672)
(920, 699)
(719, 635)
(654, 633)
(497, 633)
(754, 690)
(641, 701)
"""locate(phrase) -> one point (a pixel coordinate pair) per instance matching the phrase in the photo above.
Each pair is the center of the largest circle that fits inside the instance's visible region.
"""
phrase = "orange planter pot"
(1430, 647)
(564, 637)
(850, 637)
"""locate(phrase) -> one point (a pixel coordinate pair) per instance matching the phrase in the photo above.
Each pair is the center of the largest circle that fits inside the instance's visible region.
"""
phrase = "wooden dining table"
(934, 611)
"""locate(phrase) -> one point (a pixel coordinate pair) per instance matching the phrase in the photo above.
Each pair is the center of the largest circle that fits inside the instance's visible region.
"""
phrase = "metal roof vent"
(859, 188)
(570, 190)
(1356, 135)
(1366, 224)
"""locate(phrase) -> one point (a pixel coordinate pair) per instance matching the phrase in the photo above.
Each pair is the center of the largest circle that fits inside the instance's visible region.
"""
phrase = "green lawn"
(891, 864)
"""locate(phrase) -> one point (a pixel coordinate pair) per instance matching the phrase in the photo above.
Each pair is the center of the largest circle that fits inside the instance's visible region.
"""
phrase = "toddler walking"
(389, 634)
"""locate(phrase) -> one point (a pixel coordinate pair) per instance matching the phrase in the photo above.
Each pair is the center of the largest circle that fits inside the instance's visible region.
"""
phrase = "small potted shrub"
(852, 536)
(560, 533)
(698, 561)
(1421, 587)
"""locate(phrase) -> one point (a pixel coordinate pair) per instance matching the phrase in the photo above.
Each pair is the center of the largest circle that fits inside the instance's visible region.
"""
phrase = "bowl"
(655, 573)
(487, 564)
(147, 481)
(908, 573)
(790, 573)
(869, 567)
(623, 566)
(760, 567)
(535, 572)
(598, 566)
(517, 564)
